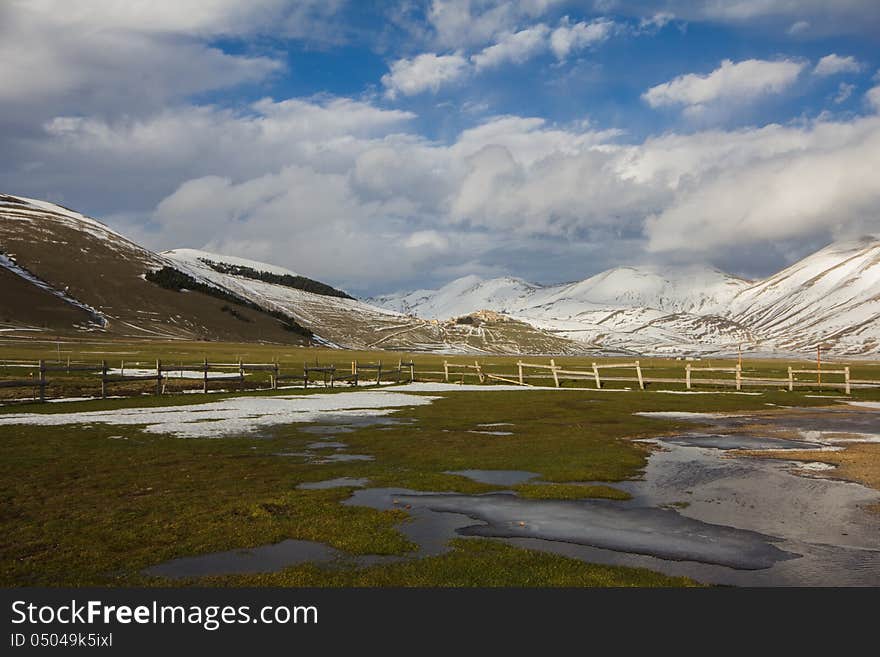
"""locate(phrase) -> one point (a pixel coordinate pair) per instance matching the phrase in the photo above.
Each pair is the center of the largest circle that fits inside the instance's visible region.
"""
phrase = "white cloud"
(315, 184)
(736, 82)
(133, 57)
(424, 72)
(470, 23)
(514, 48)
(844, 91)
(834, 64)
(821, 181)
(568, 38)
(798, 27)
(873, 98)
(815, 18)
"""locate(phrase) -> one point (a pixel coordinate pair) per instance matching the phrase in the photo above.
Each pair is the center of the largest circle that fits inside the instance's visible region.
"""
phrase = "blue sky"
(544, 139)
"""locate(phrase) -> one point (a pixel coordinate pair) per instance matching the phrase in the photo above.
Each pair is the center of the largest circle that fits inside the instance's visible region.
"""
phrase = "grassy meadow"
(97, 504)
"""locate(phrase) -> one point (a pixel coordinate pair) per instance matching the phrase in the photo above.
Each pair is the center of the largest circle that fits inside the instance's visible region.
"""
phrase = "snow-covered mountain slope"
(831, 297)
(689, 289)
(461, 297)
(197, 259)
(357, 324)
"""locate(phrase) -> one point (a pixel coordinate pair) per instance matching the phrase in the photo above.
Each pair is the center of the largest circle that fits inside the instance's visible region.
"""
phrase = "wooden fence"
(162, 373)
(42, 376)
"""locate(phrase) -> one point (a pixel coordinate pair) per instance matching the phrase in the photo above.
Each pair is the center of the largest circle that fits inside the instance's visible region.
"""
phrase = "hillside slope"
(355, 324)
(84, 265)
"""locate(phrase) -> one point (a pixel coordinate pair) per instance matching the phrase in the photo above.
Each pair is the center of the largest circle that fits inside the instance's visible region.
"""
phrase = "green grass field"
(80, 506)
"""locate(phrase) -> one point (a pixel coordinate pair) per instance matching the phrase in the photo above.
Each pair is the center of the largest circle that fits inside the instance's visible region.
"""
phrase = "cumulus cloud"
(834, 64)
(802, 17)
(471, 23)
(425, 72)
(844, 91)
(820, 182)
(514, 48)
(736, 82)
(316, 183)
(133, 57)
(572, 37)
(873, 98)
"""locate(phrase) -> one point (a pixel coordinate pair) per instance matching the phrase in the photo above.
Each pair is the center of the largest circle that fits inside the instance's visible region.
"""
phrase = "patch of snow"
(232, 417)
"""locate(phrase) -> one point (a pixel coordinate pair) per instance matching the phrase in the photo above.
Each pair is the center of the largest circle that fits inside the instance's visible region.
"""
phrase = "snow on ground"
(197, 259)
(8, 263)
(456, 387)
(866, 404)
(232, 417)
(172, 374)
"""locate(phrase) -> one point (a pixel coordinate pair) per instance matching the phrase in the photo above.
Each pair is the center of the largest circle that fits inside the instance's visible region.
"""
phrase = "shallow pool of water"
(496, 477)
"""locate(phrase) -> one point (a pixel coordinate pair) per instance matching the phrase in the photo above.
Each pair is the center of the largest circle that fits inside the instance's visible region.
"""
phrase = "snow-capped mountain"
(683, 289)
(831, 297)
(62, 271)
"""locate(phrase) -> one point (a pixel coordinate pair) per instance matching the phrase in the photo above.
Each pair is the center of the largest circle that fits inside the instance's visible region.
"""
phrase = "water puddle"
(492, 433)
(327, 444)
(339, 482)
(701, 510)
(496, 477)
(343, 458)
(735, 441)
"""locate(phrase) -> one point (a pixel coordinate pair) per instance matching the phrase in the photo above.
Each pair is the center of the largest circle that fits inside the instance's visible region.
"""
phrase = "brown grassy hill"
(62, 254)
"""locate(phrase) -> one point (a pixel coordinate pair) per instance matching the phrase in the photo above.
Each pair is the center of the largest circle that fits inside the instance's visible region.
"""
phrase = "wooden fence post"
(846, 378)
(104, 379)
(379, 374)
(42, 382)
(519, 364)
(205, 377)
(412, 371)
(687, 376)
(480, 372)
(158, 377)
(639, 374)
(446, 371)
(596, 375)
(240, 374)
(739, 376)
(555, 375)
(305, 376)
(790, 380)
(276, 372)
(399, 368)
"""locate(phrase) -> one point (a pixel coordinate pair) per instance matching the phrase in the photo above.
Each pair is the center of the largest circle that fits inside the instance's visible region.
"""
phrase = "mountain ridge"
(65, 271)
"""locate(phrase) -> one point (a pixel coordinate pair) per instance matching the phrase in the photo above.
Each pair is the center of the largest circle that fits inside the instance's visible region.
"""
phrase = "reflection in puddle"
(735, 441)
(332, 424)
(327, 444)
(339, 482)
(343, 458)
(496, 477)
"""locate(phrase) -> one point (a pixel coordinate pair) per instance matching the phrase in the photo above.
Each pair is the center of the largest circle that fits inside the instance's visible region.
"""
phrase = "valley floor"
(327, 488)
